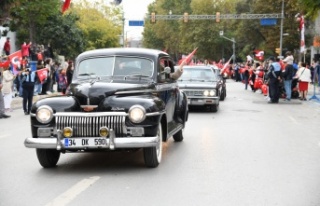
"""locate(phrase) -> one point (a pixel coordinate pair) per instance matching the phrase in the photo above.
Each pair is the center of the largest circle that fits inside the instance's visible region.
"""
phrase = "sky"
(134, 10)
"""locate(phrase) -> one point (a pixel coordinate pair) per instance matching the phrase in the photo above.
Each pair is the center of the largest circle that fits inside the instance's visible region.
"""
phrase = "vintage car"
(201, 85)
(119, 99)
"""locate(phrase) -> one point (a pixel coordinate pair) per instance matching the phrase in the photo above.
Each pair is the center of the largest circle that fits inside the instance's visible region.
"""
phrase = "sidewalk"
(17, 101)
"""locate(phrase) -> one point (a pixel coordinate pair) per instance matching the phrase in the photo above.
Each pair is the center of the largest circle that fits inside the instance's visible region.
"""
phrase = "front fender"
(58, 104)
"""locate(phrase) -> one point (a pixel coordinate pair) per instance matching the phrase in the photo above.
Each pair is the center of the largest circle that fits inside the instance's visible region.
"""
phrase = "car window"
(115, 66)
(198, 74)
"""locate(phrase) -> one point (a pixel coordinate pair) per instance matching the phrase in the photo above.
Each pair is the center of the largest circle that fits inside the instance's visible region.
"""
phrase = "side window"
(162, 76)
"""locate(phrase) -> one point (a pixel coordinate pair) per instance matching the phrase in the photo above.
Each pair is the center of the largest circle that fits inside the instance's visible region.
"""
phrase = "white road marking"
(4, 136)
(73, 192)
(293, 120)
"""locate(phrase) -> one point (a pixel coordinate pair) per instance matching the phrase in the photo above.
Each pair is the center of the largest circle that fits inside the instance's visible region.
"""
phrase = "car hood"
(198, 85)
(94, 93)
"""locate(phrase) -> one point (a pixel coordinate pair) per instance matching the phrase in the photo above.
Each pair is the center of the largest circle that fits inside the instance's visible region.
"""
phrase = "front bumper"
(112, 142)
(196, 101)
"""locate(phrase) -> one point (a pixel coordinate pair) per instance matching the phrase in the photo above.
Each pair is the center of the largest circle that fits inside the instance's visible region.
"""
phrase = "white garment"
(304, 74)
(7, 98)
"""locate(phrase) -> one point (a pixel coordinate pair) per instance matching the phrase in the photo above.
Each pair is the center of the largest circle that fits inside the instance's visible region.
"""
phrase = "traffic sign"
(268, 22)
(136, 23)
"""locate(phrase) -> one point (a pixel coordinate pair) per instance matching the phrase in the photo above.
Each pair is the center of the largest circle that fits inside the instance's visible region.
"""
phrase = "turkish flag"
(42, 74)
(65, 5)
(188, 58)
(259, 54)
(15, 59)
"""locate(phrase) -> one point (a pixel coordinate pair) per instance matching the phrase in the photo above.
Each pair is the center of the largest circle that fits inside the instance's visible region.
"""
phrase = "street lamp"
(233, 46)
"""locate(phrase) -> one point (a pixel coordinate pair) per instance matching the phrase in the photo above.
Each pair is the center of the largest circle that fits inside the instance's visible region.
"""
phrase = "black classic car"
(119, 99)
(202, 85)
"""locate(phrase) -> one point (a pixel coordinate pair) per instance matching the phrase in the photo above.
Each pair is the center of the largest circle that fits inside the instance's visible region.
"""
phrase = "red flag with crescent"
(15, 59)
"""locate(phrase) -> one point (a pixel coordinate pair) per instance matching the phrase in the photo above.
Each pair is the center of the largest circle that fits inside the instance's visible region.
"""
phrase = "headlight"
(44, 114)
(206, 93)
(212, 93)
(137, 114)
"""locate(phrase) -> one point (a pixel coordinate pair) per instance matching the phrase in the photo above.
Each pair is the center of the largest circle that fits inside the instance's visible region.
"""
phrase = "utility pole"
(281, 27)
(233, 46)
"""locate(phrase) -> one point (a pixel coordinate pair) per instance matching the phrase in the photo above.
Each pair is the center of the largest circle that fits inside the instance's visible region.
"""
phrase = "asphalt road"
(248, 153)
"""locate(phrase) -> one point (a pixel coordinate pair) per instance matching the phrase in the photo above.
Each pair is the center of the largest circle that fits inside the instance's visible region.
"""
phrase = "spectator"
(28, 83)
(46, 88)
(304, 78)
(273, 75)
(2, 110)
(38, 84)
(288, 74)
(7, 47)
(69, 72)
(7, 83)
(25, 49)
(62, 82)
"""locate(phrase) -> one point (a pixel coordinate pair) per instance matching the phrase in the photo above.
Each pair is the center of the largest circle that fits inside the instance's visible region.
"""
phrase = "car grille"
(193, 92)
(88, 124)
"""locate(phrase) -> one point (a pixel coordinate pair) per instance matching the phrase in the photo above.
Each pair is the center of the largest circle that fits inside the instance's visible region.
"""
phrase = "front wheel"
(214, 108)
(48, 157)
(153, 155)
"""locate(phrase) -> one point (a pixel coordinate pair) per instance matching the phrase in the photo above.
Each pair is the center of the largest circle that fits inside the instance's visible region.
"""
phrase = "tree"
(97, 25)
(27, 14)
(311, 8)
(63, 35)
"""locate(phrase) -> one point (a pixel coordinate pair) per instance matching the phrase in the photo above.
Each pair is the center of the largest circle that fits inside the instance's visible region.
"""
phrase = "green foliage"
(98, 29)
(311, 8)
(179, 37)
(62, 33)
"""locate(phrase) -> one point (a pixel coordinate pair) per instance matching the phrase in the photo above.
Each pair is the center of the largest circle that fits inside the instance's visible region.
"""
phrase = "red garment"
(39, 56)
(25, 49)
(7, 46)
(303, 86)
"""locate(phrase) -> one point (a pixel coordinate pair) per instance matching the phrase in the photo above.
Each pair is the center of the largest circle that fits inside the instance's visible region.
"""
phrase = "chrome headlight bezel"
(137, 113)
(44, 114)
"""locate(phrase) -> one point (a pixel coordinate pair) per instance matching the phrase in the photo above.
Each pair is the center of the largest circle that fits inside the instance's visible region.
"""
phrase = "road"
(248, 153)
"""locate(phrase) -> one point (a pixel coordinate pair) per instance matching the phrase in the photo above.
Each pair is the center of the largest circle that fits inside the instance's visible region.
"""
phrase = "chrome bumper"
(203, 101)
(112, 142)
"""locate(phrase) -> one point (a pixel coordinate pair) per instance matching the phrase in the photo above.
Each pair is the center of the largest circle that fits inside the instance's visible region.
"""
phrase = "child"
(62, 81)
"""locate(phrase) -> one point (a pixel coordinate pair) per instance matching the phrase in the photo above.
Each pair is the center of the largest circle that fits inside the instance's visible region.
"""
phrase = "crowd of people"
(278, 78)
(29, 81)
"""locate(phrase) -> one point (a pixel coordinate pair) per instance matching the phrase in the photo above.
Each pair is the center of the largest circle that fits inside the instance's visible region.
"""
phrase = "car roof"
(123, 52)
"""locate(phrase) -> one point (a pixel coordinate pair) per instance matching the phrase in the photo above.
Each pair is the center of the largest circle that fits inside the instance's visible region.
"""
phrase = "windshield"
(197, 74)
(115, 66)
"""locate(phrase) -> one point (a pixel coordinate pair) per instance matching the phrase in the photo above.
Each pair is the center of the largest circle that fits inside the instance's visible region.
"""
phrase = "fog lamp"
(67, 132)
(104, 131)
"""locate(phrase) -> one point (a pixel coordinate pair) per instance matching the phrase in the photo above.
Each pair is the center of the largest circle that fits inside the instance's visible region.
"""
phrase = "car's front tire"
(153, 155)
(48, 157)
(214, 108)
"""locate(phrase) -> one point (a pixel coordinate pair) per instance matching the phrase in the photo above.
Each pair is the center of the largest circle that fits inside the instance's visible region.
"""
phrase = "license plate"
(84, 142)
